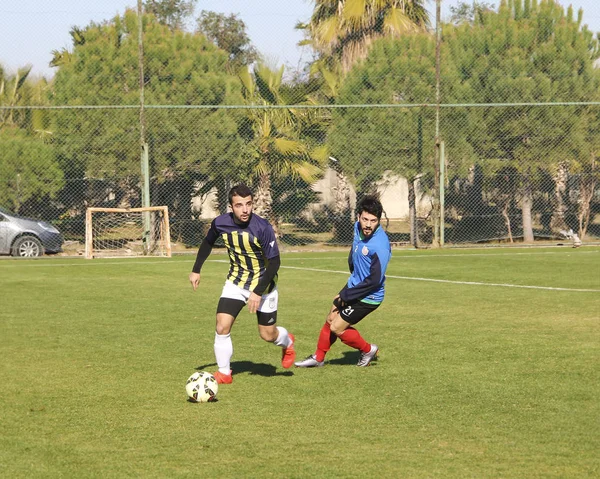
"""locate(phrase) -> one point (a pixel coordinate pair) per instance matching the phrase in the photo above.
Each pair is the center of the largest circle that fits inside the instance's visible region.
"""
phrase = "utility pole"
(436, 200)
(143, 145)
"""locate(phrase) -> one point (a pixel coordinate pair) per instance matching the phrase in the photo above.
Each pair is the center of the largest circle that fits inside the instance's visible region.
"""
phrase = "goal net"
(111, 232)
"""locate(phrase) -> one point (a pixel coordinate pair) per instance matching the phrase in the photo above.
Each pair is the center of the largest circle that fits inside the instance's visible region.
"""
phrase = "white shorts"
(268, 303)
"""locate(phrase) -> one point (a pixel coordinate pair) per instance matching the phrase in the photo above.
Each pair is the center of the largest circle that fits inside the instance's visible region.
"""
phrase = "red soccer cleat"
(289, 354)
(223, 378)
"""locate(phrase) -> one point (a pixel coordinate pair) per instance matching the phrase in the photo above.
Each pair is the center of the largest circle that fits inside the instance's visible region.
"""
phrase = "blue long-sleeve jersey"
(368, 260)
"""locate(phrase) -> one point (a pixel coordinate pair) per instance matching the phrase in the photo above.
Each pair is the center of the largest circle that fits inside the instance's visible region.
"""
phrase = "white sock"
(283, 339)
(223, 352)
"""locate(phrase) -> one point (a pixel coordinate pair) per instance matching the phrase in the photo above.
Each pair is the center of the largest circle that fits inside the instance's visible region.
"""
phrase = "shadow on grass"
(349, 357)
(254, 369)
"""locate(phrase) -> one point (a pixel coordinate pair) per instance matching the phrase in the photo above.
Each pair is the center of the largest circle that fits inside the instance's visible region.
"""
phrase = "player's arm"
(366, 286)
(203, 253)
(350, 262)
(270, 272)
(268, 243)
(263, 283)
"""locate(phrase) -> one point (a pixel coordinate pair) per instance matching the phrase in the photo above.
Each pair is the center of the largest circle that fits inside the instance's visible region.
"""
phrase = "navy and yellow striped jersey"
(250, 246)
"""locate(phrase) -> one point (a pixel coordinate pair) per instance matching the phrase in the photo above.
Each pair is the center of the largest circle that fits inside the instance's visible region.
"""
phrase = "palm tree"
(275, 144)
(341, 31)
(12, 90)
(63, 56)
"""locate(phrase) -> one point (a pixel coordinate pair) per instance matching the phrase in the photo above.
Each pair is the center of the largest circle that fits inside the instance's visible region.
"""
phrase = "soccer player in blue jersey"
(364, 291)
(252, 278)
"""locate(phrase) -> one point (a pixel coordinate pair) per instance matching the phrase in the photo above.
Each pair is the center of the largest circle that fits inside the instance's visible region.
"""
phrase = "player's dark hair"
(371, 205)
(240, 190)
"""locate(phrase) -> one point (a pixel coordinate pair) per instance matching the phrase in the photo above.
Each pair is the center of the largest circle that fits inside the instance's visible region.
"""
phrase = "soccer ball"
(202, 387)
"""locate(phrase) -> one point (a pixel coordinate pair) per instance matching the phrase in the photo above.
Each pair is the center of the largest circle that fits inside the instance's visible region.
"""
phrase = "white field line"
(16, 263)
(407, 278)
(425, 256)
(470, 283)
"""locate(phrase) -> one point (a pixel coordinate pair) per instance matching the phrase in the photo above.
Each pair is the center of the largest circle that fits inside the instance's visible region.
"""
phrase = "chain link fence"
(197, 155)
(454, 174)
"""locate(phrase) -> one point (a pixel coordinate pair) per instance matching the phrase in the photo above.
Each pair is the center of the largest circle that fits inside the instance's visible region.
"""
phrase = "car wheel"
(27, 247)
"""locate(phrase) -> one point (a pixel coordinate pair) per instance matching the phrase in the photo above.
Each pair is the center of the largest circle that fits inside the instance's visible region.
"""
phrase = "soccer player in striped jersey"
(364, 291)
(252, 278)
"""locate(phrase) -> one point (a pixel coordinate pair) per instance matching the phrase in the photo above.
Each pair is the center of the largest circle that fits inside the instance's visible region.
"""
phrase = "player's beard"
(241, 221)
(367, 233)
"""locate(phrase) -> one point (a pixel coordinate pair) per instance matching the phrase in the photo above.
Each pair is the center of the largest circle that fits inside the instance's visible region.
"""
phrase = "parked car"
(27, 237)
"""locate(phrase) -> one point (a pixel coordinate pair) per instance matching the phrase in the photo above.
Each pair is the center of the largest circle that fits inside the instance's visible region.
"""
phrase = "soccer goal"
(113, 232)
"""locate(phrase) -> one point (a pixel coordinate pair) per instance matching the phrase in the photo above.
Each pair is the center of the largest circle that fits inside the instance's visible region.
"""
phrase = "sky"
(31, 29)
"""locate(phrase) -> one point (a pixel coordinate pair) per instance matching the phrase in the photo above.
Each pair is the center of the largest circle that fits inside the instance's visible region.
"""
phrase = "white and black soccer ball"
(202, 387)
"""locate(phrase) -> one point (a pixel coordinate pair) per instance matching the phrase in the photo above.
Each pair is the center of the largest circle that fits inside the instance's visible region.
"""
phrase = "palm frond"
(337, 27)
(332, 79)
(247, 82)
(354, 12)
(307, 171)
(326, 33)
(60, 57)
(264, 127)
(320, 154)
(286, 146)
(21, 78)
(266, 83)
(262, 167)
(397, 22)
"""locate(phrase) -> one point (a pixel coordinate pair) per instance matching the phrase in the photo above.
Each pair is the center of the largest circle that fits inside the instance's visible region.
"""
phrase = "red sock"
(352, 338)
(326, 339)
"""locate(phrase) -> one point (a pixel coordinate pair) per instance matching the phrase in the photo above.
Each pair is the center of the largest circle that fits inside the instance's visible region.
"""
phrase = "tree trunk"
(263, 202)
(558, 222)
(507, 220)
(526, 206)
(342, 210)
(223, 195)
(587, 188)
(412, 213)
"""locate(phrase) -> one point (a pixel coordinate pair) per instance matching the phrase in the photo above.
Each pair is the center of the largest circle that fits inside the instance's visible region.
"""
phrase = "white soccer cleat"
(366, 358)
(309, 362)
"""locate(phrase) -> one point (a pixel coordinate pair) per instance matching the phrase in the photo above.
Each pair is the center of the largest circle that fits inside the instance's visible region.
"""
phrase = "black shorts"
(353, 313)
(234, 306)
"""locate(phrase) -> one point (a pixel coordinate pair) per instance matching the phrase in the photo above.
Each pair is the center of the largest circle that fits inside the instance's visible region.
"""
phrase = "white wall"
(393, 192)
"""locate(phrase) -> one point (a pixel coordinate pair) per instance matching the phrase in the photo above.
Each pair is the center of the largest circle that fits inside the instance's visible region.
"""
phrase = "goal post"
(113, 232)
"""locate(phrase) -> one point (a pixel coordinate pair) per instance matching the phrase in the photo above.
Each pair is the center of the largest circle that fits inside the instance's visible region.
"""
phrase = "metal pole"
(145, 170)
(436, 204)
(442, 192)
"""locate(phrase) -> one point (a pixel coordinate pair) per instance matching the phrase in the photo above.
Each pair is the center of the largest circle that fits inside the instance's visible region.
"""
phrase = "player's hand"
(195, 280)
(338, 302)
(253, 302)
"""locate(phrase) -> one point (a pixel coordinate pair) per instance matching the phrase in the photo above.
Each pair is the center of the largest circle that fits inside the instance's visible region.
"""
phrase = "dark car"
(27, 237)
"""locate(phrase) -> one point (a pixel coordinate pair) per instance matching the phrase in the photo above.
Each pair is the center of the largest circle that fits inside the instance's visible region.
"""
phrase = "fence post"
(144, 167)
(442, 191)
(437, 219)
(145, 194)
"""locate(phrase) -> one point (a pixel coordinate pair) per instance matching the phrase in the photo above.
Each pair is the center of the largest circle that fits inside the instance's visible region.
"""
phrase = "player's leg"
(326, 339)
(230, 305)
(270, 332)
(343, 326)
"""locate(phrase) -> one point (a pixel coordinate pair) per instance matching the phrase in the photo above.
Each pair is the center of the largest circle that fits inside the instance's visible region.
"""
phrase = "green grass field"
(479, 375)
